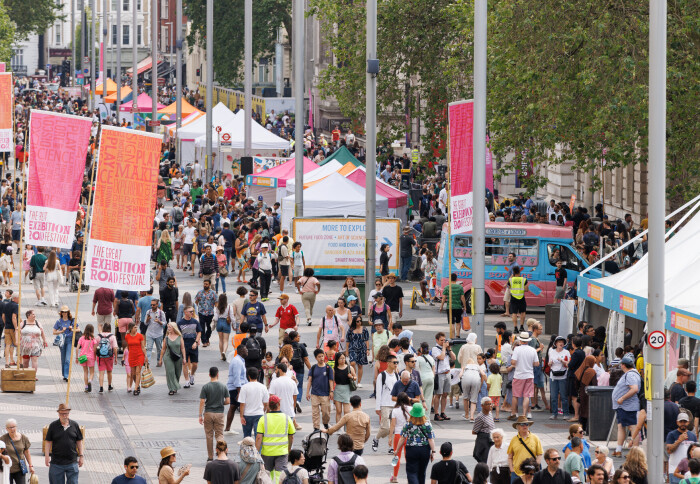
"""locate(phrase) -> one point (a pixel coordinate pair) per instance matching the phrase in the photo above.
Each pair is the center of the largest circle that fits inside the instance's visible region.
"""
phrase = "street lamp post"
(210, 83)
(298, 43)
(178, 75)
(248, 76)
(371, 151)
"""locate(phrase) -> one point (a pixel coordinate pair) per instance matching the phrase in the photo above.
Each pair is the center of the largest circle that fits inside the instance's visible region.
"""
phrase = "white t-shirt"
(189, 235)
(301, 474)
(397, 413)
(254, 394)
(442, 200)
(525, 357)
(555, 362)
(285, 388)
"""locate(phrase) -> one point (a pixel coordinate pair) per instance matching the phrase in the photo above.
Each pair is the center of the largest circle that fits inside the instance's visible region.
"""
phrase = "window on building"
(139, 40)
(164, 9)
(114, 35)
(125, 5)
(17, 58)
(139, 5)
(114, 6)
(57, 30)
(125, 35)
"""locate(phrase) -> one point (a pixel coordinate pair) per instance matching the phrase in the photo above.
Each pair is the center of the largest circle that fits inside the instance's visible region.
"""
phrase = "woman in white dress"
(52, 269)
(343, 315)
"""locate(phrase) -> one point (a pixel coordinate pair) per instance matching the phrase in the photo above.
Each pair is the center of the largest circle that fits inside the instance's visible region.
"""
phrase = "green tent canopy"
(343, 156)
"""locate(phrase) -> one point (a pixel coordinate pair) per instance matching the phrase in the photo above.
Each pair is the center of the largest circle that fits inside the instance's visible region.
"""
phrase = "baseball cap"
(682, 417)
(265, 246)
(627, 361)
(352, 298)
(274, 399)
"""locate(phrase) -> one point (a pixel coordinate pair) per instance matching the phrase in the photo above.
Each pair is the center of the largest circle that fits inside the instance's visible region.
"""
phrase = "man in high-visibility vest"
(518, 305)
(275, 438)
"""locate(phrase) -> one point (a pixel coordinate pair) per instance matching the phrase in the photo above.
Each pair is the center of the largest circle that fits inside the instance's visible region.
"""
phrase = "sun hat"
(524, 336)
(378, 322)
(166, 452)
(559, 338)
(219, 248)
(417, 410)
(63, 408)
(64, 308)
(522, 420)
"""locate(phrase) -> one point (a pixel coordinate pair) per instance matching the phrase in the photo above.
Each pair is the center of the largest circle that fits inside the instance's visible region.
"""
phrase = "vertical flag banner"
(119, 248)
(6, 107)
(58, 144)
(461, 137)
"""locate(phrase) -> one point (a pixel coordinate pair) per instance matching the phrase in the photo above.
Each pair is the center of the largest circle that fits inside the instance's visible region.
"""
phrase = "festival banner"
(461, 137)
(6, 108)
(58, 144)
(119, 247)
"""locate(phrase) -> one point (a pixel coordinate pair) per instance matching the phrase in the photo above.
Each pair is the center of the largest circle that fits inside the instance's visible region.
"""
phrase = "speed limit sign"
(656, 339)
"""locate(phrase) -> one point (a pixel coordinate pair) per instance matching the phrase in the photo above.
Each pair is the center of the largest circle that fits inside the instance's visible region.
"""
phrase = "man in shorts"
(625, 401)
(442, 354)
(562, 283)
(37, 263)
(522, 362)
(192, 336)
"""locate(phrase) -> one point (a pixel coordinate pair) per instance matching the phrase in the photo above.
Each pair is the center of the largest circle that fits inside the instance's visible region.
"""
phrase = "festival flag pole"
(82, 267)
(22, 247)
(448, 254)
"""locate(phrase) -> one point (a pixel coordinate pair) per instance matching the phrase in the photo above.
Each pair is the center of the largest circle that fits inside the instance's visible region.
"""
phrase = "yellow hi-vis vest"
(517, 287)
(275, 430)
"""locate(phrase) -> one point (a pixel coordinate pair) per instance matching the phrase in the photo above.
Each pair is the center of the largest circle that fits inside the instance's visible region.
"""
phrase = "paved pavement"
(119, 424)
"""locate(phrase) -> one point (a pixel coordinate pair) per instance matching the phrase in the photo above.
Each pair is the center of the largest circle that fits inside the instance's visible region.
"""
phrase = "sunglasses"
(133, 467)
(625, 477)
(555, 458)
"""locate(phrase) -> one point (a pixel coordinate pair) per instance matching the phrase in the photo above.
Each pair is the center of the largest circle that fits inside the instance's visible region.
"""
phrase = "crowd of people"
(213, 232)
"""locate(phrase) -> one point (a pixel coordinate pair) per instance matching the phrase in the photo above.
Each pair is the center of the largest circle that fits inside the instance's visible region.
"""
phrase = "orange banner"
(6, 108)
(119, 247)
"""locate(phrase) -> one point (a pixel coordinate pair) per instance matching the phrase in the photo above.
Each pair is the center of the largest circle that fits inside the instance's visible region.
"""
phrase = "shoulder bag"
(23, 468)
(537, 466)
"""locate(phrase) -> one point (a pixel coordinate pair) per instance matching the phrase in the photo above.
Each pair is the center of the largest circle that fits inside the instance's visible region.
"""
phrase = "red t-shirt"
(105, 301)
(287, 316)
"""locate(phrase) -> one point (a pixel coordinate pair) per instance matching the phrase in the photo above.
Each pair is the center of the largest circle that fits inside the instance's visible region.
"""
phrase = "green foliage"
(33, 16)
(566, 81)
(414, 43)
(7, 35)
(268, 15)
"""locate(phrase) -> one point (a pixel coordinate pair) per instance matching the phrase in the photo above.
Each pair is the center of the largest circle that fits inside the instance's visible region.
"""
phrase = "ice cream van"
(535, 247)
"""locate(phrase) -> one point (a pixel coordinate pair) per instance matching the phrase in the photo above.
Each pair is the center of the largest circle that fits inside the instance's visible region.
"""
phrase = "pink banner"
(489, 167)
(2, 67)
(311, 111)
(461, 136)
(58, 144)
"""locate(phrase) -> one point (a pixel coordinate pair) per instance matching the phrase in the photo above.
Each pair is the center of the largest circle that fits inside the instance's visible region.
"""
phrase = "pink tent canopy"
(285, 171)
(397, 198)
(143, 102)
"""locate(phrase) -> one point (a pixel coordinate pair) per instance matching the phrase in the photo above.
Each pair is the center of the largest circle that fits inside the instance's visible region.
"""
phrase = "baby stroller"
(315, 447)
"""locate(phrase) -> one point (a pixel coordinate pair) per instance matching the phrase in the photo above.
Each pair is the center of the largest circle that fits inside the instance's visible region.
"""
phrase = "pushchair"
(315, 447)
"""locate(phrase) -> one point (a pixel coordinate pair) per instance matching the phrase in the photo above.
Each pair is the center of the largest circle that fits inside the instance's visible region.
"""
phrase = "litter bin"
(455, 345)
(360, 283)
(600, 405)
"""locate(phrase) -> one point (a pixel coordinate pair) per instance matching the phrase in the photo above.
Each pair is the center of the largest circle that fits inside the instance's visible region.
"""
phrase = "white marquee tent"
(221, 115)
(335, 195)
(261, 138)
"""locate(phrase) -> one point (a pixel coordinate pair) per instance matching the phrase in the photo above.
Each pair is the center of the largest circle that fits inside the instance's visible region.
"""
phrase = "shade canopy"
(261, 138)
(111, 87)
(221, 115)
(187, 108)
(626, 292)
(143, 66)
(185, 121)
(335, 195)
(143, 102)
(286, 171)
(112, 98)
(396, 198)
(343, 156)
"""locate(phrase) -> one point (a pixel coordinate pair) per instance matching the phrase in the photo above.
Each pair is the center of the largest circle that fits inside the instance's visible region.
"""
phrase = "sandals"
(137, 391)
(171, 393)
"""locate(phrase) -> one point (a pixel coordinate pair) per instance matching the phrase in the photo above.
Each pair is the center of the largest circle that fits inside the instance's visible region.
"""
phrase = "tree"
(414, 45)
(32, 17)
(7, 35)
(268, 16)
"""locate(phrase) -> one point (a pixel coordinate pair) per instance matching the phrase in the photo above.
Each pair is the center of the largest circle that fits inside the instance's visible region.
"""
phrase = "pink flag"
(461, 136)
(311, 111)
(58, 144)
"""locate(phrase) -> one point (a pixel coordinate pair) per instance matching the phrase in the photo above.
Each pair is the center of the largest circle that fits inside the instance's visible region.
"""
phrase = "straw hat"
(64, 308)
(166, 452)
(522, 420)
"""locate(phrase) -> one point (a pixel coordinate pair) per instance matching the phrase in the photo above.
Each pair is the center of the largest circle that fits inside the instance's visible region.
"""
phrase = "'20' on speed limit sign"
(656, 339)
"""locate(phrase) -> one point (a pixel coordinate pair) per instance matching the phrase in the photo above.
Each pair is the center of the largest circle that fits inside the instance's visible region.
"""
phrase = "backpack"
(297, 360)
(384, 378)
(254, 350)
(345, 470)
(178, 215)
(291, 477)
(104, 349)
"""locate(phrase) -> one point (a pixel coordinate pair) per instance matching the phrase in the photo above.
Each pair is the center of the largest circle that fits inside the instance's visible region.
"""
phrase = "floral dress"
(357, 346)
(31, 340)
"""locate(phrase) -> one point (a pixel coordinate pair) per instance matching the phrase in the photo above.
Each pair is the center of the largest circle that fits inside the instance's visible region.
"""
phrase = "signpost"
(153, 123)
(656, 339)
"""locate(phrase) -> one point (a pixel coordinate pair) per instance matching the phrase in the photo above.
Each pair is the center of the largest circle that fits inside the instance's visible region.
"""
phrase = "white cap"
(265, 246)
(682, 417)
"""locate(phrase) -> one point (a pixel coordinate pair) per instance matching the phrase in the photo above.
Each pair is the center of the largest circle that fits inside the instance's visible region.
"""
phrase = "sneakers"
(529, 415)
(110, 388)
(186, 385)
(102, 390)
(457, 404)
(373, 395)
(375, 445)
(390, 451)
(451, 406)
(537, 408)
(230, 432)
(89, 387)
(553, 416)
(191, 379)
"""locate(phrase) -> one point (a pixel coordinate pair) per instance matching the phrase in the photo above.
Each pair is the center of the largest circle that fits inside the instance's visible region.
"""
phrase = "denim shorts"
(539, 376)
(222, 326)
